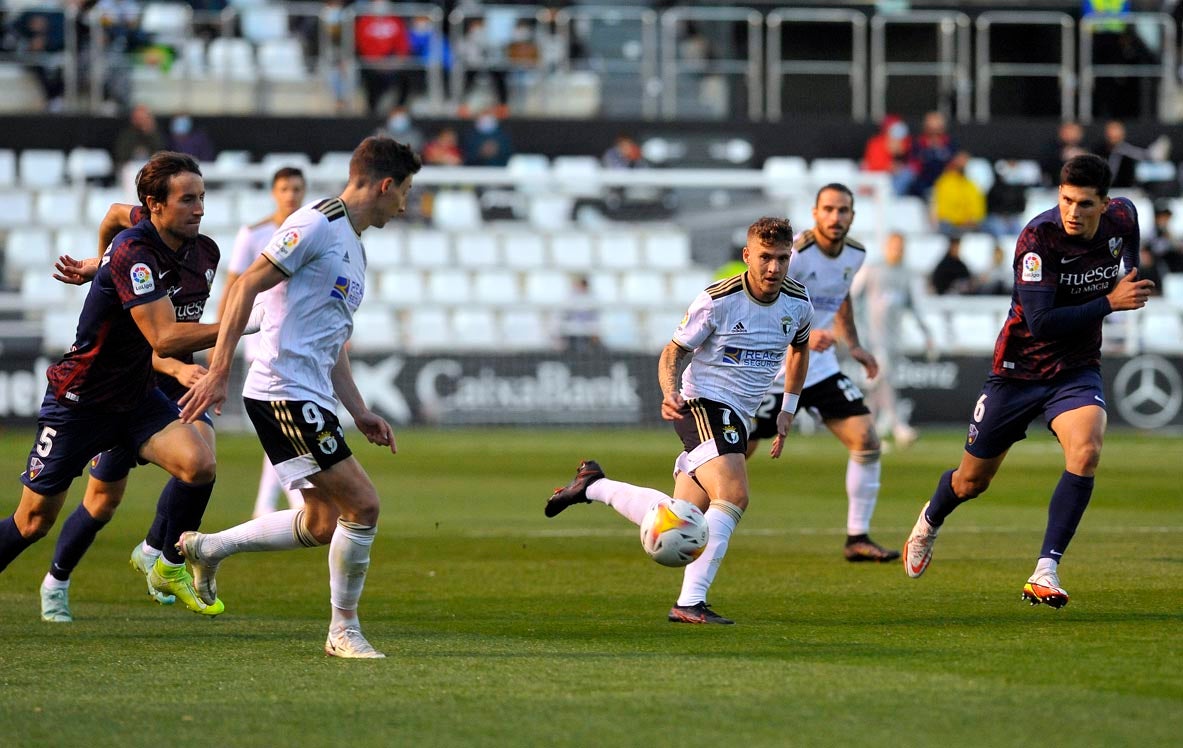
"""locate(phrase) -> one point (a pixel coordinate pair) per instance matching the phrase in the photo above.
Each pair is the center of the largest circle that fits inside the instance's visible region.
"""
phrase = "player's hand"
(864, 357)
(784, 422)
(208, 392)
(671, 407)
(189, 374)
(1130, 293)
(75, 272)
(376, 430)
(820, 340)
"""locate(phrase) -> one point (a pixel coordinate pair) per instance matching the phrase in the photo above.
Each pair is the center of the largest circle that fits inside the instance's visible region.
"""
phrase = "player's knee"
(199, 470)
(970, 486)
(37, 525)
(1084, 459)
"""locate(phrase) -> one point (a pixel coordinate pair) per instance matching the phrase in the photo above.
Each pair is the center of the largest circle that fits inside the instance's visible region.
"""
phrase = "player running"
(739, 331)
(1047, 363)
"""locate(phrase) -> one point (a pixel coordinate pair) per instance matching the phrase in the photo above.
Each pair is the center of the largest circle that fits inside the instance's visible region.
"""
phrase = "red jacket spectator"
(889, 148)
(379, 36)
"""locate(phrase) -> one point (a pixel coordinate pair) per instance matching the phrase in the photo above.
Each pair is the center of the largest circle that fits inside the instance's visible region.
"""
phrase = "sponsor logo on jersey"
(1032, 267)
(327, 442)
(972, 436)
(35, 467)
(1096, 279)
(1115, 246)
(752, 359)
(141, 279)
(340, 288)
(346, 290)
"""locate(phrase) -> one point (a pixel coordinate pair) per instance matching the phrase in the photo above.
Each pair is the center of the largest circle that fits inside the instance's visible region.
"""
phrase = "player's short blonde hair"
(772, 232)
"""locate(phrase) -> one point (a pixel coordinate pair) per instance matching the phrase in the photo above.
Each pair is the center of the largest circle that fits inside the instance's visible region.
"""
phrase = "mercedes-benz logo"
(1149, 392)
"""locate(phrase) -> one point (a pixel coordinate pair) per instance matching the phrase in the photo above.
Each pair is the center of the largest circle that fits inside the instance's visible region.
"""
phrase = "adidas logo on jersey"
(739, 327)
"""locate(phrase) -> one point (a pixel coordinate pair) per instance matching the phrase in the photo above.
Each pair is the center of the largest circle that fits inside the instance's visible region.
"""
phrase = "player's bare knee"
(1084, 459)
(199, 469)
(37, 525)
(970, 486)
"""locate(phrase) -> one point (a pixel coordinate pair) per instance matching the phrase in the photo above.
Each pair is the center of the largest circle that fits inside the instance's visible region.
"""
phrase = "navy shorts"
(1006, 407)
(114, 464)
(67, 438)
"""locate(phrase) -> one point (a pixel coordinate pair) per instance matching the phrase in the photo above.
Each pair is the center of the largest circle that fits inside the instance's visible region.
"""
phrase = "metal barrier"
(855, 69)
(987, 71)
(466, 57)
(1164, 70)
(638, 56)
(431, 67)
(951, 68)
(673, 67)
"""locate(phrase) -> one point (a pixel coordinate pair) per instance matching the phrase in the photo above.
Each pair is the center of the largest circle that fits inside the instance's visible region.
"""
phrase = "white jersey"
(308, 317)
(828, 280)
(738, 342)
(248, 245)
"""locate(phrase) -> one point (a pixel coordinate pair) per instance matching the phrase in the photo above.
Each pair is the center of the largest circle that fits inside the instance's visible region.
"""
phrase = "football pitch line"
(603, 532)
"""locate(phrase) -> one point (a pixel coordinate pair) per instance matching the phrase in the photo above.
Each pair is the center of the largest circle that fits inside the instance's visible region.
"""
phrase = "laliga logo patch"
(1032, 267)
(972, 436)
(141, 279)
(284, 243)
(327, 442)
(1115, 246)
(35, 468)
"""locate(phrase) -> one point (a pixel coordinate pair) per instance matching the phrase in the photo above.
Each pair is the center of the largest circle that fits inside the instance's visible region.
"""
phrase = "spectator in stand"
(39, 40)
(958, 205)
(486, 144)
(429, 45)
(1165, 246)
(138, 140)
(579, 324)
(400, 127)
(624, 154)
(1007, 200)
(999, 280)
(1123, 157)
(1150, 268)
(932, 150)
(1069, 142)
(185, 138)
(381, 38)
(483, 57)
(443, 149)
(888, 150)
(951, 275)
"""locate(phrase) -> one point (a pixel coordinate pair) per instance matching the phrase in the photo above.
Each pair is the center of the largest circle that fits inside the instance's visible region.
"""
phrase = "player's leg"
(863, 470)
(266, 498)
(32, 520)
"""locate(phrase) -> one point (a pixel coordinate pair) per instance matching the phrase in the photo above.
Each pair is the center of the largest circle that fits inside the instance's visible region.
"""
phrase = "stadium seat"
(685, 285)
(620, 329)
(496, 287)
(166, 21)
(524, 329)
(823, 171)
(86, 164)
(530, 172)
(659, 327)
(456, 210)
(39, 290)
(76, 241)
(1038, 201)
(27, 248)
(58, 206)
(384, 248)
(923, 251)
(550, 212)
(331, 170)
(450, 287)
(666, 248)
(1172, 288)
(99, 201)
(7, 167)
(59, 327)
(619, 249)
(643, 289)
(426, 328)
(477, 249)
(427, 248)
(1162, 328)
(577, 176)
(254, 205)
(604, 287)
(475, 327)
(16, 207)
(228, 166)
(229, 58)
(374, 330)
(401, 287)
(785, 176)
(547, 287)
(977, 252)
(220, 211)
(264, 22)
(981, 173)
(523, 250)
(273, 162)
(974, 331)
(281, 60)
(908, 214)
(42, 167)
(571, 250)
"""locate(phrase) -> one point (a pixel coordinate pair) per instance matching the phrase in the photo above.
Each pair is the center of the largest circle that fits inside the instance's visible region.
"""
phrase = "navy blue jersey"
(1076, 271)
(109, 367)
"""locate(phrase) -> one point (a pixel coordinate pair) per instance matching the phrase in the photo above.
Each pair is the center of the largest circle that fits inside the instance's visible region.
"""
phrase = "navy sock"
(185, 505)
(1069, 501)
(11, 542)
(943, 501)
(155, 536)
(78, 533)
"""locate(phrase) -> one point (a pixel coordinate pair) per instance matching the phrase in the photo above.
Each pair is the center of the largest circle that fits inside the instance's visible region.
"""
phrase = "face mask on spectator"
(182, 125)
(398, 123)
(486, 124)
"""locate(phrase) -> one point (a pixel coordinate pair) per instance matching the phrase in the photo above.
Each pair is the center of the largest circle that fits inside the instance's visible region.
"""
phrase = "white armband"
(789, 404)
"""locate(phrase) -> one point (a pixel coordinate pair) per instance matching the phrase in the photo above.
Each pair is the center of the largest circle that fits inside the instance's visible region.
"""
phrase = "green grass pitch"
(504, 628)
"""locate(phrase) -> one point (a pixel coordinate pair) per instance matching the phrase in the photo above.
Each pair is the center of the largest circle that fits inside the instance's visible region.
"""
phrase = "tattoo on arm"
(667, 367)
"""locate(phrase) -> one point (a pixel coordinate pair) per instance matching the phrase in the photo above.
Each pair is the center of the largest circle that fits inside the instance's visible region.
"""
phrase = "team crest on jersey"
(1115, 246)
(846, 273)
(730, 435)
(972, 436)
(141, 279)
(1032, 267)
(786, 325)
(327, 442)
(35, 468)
(209, 277)
(94, 461)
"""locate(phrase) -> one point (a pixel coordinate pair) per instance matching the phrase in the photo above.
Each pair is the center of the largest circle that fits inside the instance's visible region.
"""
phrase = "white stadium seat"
(477, 249)
(427, 248)
(474, 327)
(547, 287)
(908, 214)
(59, 327)
(550, 212)
(401, 287)
(685, 285)
(426, 328)
(577, 176)
(530, 172)
(254, 205)
(374, 329)
(7, 167)
(824, 171)
(41, 167)
(16, 207)
(58, 206)
(977, 252)
(620, 328)
(76, 241)
(273, 162)
(619, 249)
(659, 326)
(523, 250)
(1162, 328)
(167, 21)
(923, 251)
(524, 329)
(456, 210)
(232, 59)
(384, 248)
(220, 212)
(496, 287)
(666, 249)
(451, 287)
(785, 176)
(99, 201)
(644, 289)
(28, 248)
(85, 164)
(571, 250)
(604, 287)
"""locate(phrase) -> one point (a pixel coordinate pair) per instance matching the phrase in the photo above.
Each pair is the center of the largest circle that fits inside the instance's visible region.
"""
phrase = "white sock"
(722, 518)
(266, 500)
(149, 551)
(54, 583)
(277, 531)
(862, 490)
(349, 559)
(631, 501)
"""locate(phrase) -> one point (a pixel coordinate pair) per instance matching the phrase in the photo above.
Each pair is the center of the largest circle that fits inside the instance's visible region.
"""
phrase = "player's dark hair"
(378, 157)
(836, 187)
(772, 232)
(1087, 170)
(152, 180)
(287, 172)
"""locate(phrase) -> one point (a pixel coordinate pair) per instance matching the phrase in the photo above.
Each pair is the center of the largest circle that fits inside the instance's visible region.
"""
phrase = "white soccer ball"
(674, 532)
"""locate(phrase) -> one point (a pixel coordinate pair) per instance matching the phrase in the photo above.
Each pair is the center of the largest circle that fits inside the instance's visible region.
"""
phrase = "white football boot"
(348, 642)
(918, 549)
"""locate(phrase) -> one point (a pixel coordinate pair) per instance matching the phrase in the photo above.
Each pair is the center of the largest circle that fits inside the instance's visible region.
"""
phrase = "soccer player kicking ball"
(1047, 362)
(740, 330)
(315, 264)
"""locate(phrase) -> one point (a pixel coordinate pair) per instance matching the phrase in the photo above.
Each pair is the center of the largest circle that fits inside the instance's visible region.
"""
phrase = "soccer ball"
(674, 532)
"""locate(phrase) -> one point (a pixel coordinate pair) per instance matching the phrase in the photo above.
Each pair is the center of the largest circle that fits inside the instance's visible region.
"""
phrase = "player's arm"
(78, 272)
(157, 320)
(186, 374)
(667, 376)
(373, 426)
(796, 367)
(846, 331)
(210, 392)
